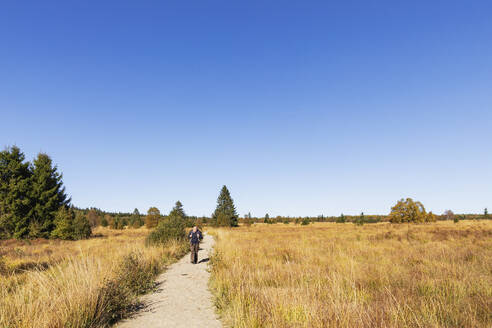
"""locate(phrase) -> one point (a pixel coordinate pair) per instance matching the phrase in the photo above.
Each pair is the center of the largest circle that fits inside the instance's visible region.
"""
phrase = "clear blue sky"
(299, 107)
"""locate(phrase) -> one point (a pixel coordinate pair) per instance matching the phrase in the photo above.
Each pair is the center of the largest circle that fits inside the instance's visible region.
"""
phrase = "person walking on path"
(195, 237)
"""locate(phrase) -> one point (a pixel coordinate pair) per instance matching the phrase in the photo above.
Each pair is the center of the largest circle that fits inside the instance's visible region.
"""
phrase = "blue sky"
(300, 108)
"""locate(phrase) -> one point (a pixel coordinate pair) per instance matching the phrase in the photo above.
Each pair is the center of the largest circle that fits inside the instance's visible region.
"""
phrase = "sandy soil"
(182, 298)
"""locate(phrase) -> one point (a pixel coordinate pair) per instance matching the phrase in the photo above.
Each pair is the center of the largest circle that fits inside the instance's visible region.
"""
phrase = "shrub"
(341, 219)
(305, 221)
(3, 266)
(81, 227)
(69, 226)
(360, 220)
(170, 228)
(64, 228)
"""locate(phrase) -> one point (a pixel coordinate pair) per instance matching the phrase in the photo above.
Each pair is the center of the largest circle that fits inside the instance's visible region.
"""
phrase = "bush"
(341, 219)
(68, 226)
(64, 228)
(167, 229)
(305, 221)
(81, 227)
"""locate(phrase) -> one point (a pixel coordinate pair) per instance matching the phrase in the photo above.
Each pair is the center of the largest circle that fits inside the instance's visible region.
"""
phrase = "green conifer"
(225, 213)
(15, 200)
(64, 223)
(47, 194)
(81, 227)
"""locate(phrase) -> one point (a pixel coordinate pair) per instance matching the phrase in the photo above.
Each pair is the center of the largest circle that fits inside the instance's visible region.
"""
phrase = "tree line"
(34, 204)
(404, 211)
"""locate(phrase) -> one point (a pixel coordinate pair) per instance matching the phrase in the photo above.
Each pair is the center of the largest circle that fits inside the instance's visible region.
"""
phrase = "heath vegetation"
(338, 275)
(85, 283)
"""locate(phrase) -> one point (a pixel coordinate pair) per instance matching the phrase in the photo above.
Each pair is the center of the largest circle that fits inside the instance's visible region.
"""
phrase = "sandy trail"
(182, 298)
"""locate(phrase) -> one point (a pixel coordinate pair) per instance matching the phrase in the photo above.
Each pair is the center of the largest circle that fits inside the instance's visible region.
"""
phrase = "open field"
(86, 283)
(343, 275)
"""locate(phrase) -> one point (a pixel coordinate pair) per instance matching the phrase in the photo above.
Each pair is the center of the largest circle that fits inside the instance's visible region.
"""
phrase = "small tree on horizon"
(171, 227)
(448, 215)
(225, 212)
(340, 219)
(408, 211)
(178, 210)
(152, 218)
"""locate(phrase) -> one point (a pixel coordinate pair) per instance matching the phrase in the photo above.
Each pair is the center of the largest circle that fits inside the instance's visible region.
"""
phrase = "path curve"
(182, 298)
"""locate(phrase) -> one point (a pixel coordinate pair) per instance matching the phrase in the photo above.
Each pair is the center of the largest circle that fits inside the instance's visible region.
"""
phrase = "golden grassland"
(86, 283)
(343, 275)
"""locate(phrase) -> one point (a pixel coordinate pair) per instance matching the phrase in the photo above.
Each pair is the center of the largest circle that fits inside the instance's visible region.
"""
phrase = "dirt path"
(182, 298)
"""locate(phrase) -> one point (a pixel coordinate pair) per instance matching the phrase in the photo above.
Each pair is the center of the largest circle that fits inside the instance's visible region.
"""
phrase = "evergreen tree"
(225, 213)
(47, 194)
(267, 219)
(64, 223)
(485, 214)
(81, 227)
(134, 219)
(178, 211)
(341, 219)
(15, 200)
(360, 220)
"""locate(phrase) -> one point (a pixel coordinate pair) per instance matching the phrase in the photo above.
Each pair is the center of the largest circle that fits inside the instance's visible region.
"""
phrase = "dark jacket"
(195, 237)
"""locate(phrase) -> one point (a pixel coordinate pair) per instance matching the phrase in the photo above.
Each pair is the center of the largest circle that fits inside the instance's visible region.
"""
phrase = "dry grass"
(87, 283)
(341, 275)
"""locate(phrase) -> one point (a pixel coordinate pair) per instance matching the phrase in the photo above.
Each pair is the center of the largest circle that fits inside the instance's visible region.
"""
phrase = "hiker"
(195, 237)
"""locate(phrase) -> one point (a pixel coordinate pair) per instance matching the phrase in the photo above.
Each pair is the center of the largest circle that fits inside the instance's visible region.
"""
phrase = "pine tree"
(225, 213)
(15, 200)
(47, 194)
(178, 211)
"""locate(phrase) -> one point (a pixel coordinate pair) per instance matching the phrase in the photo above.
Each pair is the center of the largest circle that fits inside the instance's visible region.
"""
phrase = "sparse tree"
(448, 215)
(152, 218)
(104, 222)
(341, 219)
(360, 220)
(93, 218)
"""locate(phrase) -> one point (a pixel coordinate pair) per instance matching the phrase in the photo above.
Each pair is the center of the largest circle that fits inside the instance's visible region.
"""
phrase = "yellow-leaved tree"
(407, 210)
